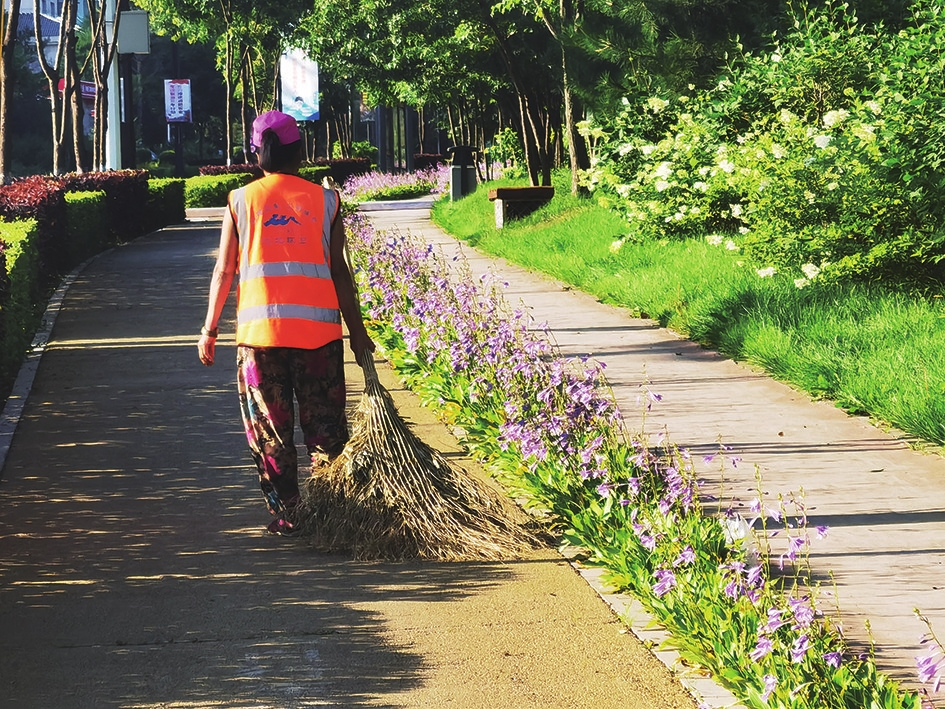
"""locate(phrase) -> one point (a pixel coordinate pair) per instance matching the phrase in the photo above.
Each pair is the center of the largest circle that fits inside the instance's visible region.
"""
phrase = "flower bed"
(550, 430)
(379, 185)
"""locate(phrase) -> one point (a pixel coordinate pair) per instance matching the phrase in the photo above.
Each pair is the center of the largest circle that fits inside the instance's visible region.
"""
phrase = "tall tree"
(8, 37)
(237, 27)
(53, 71)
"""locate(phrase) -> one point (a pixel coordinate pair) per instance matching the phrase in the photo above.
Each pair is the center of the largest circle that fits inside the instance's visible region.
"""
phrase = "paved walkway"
(884, 502)
(134, 571)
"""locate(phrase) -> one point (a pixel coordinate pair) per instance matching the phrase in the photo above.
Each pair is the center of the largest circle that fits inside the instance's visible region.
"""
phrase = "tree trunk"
(7, 79)
(452, 122)
(74, 93)
(244, 101)
(529, 145)
(51, 72)
(577, 147)
(228, 80)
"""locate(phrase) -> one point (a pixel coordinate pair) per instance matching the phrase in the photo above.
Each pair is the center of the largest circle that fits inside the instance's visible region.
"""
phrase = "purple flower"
(833, 659)
(762, 649)
(665, 580)
(753, 578)
(647, 541)
(799, 648)
(774, 621)
(803, 612)
(822, 531)
(930, 666)
(770, 683)
(795, 545)
(686, 557)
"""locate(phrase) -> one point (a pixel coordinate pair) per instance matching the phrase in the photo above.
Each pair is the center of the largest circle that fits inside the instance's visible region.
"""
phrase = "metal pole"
(113, 128)
(178, 127)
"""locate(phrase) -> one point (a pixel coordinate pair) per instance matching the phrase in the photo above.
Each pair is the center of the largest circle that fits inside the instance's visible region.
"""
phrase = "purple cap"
(283, 124)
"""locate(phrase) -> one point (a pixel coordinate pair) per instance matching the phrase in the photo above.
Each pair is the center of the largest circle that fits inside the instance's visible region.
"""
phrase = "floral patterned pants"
(268, 379)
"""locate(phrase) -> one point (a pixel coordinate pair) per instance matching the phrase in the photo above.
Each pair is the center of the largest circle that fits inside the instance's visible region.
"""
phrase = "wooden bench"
(518, 202)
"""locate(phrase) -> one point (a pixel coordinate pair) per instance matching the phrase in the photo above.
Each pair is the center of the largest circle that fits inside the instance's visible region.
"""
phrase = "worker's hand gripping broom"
(390, 496)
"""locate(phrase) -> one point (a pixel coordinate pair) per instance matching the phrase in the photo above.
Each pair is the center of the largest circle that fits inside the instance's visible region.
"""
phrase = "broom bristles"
(390, 496)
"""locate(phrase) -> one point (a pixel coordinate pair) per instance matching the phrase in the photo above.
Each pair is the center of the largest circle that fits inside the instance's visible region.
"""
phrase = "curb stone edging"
(13, 409)
(704, 689)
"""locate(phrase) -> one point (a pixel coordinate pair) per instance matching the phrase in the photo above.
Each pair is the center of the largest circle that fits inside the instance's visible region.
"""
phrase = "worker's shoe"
(285, 522)
(283, 527)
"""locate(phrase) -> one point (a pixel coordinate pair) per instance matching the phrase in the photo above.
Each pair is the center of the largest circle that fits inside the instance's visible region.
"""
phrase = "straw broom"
(389, 496)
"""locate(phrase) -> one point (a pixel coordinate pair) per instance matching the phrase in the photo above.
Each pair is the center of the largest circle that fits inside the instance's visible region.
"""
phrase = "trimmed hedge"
(314, 173)
(126, 193)
(86, 225)
(212, 190)
(342, 169)
(166, 201)
(421, 161)
(239, 169)
(19, 291)
(43, 200)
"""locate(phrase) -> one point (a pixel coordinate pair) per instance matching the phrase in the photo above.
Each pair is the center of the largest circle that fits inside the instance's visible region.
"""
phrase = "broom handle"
(370, 373)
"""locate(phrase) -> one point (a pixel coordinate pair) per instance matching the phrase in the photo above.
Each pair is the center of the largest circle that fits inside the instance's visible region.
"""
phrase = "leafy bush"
(166, 203)
(212, 190)
(506, 148)
(41, 199)
(664, 189)
(363, 149)
(822, 203)
(825, 154)
(86, 225)
(823, 63)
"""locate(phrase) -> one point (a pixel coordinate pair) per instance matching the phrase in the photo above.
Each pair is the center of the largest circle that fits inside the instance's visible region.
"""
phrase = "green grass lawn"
(873, 350)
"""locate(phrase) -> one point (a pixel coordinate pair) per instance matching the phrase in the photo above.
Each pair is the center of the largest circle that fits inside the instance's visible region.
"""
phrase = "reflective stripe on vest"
(285, 297)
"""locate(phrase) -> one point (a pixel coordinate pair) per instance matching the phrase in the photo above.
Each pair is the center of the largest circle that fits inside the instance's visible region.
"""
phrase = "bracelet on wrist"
(209, 333)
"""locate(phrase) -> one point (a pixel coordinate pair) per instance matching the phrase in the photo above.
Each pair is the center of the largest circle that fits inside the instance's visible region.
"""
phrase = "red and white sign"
(177, 107)
(88, 89)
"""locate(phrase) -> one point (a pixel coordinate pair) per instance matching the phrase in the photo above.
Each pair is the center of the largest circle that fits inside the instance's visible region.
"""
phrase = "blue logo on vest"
(280, 220)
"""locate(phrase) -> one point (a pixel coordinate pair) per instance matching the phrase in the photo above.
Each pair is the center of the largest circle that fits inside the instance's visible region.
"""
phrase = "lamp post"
(113, 87)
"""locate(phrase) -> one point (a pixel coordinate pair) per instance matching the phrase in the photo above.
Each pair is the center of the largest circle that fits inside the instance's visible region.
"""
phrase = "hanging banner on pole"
(299, 85)
(177, 107)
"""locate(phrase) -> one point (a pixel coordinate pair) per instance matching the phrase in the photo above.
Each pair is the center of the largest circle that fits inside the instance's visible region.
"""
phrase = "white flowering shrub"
(820, 200)
(823, 159)
(666, 188)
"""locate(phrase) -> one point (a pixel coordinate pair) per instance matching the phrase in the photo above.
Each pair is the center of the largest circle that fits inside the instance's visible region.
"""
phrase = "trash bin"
(462, 170)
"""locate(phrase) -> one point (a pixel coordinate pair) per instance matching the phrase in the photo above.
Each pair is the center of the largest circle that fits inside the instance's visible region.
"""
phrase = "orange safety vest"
(285, 296)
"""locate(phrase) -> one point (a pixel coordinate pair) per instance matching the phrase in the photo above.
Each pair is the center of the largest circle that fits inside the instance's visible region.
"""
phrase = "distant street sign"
(177, 106)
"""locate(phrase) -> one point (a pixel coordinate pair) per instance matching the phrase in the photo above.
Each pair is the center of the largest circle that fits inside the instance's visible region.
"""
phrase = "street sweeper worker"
(284, 237)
